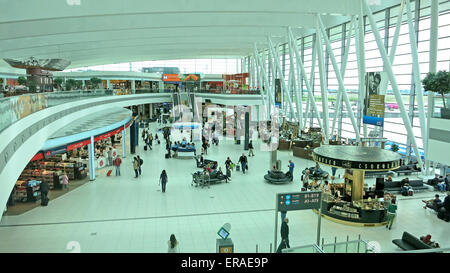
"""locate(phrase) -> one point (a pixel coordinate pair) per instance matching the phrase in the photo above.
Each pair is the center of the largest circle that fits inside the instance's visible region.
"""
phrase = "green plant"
(394, 147)
(70, 84)
(95, 82)
(438, 82)
(57, 82)
(22, 80)
(32, 86)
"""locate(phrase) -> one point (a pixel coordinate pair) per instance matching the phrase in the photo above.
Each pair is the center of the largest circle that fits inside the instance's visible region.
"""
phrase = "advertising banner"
(277, 92)
(14, 108)
(374, 100)
(109, 134)
(171, 78)
(191, 77)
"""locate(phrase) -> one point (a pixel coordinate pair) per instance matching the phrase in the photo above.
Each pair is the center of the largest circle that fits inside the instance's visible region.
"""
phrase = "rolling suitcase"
(145, 148)
(167, 156)
(238, 168)
(109, 173)
(45, 202)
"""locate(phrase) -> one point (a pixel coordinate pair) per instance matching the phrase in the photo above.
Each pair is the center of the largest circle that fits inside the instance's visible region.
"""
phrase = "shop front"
(172, 83)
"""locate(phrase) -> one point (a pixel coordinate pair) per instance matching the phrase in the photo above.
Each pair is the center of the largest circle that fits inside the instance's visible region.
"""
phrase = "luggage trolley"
(198, 179)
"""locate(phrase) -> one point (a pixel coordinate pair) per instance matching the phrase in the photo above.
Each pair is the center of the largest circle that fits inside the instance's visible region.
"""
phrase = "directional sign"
(299, 200)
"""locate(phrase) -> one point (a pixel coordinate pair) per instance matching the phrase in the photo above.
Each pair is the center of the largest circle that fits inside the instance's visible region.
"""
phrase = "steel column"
(344, 50)
(416, 70)
(361, 58)
(283, 83)
(305, 77)
(323, 84)
(432, 69)
(295, 72)
(339, 78)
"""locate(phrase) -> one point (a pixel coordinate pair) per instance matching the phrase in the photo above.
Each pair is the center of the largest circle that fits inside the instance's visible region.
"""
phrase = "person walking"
(44, 187)
(391, 212)
(65, 181)
(283, 215)
(144, 135)
(205, 147)
(305, 179)
(163, 179)
(136, 167)
(250, 149)
(243, 161)
(173, 245)
(333, 171)
(284, 235)
(140, 161)
(110, 157)
(117, 163)
(150, 141)
(291, 170)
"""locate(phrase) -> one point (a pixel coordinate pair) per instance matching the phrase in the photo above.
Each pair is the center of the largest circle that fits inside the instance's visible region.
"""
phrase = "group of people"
(442, 184)
(147, 137)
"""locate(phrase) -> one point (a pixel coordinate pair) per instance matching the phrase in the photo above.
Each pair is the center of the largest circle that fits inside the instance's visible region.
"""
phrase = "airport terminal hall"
(211, 126)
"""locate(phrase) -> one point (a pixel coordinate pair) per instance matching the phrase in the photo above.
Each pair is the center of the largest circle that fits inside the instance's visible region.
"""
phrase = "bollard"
(359, 240)
(256, 248)
(335, 240)
(346, 246)
(270, 251)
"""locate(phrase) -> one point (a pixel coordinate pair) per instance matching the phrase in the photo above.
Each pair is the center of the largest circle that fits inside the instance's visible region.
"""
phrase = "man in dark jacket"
(44, 187)
(243, 161)
(447, 202)
(284, 235)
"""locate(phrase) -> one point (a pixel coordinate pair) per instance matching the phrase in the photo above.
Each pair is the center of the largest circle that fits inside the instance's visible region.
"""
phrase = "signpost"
(298, 201)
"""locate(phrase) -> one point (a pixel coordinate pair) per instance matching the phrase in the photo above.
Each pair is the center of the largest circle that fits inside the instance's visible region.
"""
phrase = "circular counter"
(356, 160)
(357, 157)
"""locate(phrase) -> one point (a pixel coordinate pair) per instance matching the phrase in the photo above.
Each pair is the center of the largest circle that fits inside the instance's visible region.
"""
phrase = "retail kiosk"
(352, 203)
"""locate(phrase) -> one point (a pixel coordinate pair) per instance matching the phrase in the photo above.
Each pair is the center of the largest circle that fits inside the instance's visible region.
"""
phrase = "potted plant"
(22, 81)
(57, 82)
(439, 82)
(96, 82)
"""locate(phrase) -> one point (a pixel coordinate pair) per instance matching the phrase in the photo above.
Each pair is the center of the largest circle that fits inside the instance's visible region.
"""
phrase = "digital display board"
(298, 200)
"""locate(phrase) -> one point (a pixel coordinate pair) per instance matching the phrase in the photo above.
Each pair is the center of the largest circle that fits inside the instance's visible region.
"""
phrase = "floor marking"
(134, 219)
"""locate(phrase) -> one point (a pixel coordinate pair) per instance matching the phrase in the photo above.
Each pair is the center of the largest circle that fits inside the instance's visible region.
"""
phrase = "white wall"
(439, 142)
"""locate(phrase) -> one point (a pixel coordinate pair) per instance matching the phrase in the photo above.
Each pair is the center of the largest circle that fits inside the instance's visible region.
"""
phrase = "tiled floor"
(124, 214)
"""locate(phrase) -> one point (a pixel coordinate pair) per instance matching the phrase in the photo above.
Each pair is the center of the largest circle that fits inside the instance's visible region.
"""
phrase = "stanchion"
(346, 246)
(335, 240)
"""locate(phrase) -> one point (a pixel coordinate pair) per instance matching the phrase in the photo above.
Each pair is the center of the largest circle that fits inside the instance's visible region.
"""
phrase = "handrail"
(292, 249)
(433, 250)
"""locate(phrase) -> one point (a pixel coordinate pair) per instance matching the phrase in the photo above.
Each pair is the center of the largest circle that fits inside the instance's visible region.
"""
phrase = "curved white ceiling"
(93, 32)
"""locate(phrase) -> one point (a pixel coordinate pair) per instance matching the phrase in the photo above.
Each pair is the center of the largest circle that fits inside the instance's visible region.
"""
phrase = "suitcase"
(109, 173)
(167, 156)
(145, 148)
(238, 168)
(45, 202)
(159, 142)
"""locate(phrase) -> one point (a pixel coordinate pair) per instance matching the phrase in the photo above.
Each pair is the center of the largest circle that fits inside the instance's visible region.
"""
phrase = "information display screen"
(223, 233)
(299, 200)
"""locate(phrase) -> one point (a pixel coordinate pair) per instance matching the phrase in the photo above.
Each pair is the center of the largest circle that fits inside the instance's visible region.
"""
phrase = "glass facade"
(394, 128)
